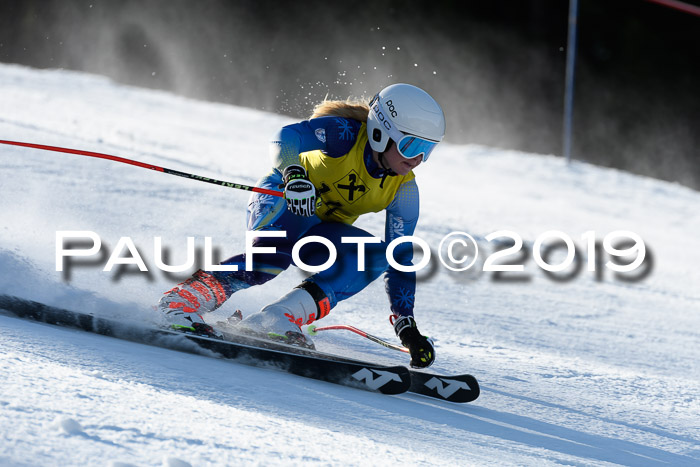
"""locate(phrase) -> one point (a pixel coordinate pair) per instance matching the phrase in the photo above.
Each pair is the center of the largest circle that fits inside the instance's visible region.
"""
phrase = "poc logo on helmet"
(392, 109)
(380, 116)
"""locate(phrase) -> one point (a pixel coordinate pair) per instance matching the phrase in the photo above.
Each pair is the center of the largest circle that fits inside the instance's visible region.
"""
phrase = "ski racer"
(348, 159)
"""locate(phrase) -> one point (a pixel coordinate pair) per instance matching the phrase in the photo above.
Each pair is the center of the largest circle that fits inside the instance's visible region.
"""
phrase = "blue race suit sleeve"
(335, 136)
(401, 219)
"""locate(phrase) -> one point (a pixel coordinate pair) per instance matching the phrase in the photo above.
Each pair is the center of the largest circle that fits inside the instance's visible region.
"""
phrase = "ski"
(243, 349)
(263, 353)
(454, 388)
(457, 388)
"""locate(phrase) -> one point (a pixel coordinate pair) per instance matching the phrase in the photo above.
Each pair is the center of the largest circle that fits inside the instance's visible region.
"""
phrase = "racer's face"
(398, 163)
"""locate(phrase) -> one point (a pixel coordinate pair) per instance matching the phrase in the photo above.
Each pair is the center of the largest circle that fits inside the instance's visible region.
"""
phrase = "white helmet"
(408, 116)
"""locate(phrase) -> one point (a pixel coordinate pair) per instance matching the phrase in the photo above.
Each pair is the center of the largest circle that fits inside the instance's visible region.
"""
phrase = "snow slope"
(594, 370)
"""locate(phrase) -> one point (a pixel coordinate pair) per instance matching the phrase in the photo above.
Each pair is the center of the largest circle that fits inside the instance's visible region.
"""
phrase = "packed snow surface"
(596, 369)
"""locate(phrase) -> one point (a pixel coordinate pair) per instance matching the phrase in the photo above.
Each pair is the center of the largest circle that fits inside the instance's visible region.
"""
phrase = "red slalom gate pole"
(123, 160)
(678, 5)
(313, 330)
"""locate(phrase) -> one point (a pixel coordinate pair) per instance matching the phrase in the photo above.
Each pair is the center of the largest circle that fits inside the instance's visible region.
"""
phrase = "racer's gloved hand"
(299, 191)
(421, 347)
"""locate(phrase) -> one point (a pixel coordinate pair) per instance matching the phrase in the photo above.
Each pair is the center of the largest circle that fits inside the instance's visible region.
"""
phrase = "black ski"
(454, 388)
(247, 350)
(262, 352)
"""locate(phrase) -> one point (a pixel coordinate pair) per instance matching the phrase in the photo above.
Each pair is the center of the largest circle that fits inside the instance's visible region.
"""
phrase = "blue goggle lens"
(413, 146)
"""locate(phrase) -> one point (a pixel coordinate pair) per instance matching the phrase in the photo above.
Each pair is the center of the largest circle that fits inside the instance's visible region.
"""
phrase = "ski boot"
(185, 303)
(282, 320)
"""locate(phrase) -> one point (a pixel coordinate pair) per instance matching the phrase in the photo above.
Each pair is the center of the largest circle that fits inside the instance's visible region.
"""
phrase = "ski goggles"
(409, 146)
(412, 146)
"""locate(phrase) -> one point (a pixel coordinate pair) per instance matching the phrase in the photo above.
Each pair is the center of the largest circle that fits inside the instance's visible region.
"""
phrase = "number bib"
(346, 189)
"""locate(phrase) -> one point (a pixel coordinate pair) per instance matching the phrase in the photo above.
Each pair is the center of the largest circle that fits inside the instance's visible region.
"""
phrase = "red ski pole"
(123, 160)
(313, 330)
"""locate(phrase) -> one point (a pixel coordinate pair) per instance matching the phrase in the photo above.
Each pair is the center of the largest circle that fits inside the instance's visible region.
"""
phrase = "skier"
(348, 159)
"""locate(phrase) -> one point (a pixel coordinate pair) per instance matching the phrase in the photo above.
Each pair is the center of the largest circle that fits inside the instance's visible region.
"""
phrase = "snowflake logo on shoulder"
(345, 129)
(405, 298)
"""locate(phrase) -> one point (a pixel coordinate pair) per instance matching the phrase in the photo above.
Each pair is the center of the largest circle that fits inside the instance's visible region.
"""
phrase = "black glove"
(421, 347)
(299, 192)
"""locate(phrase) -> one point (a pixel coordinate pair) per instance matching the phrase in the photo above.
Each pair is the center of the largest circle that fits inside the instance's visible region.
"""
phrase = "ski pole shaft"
(123, 160)
(313, 330)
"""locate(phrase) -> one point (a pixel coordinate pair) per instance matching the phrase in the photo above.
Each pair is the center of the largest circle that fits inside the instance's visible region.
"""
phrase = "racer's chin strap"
(387, 171)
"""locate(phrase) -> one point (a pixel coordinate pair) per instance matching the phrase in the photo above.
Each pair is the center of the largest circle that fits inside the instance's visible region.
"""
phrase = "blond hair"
(349, 108)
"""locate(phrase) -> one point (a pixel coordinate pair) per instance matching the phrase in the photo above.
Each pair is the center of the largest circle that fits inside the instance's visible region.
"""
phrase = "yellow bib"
(346, 190)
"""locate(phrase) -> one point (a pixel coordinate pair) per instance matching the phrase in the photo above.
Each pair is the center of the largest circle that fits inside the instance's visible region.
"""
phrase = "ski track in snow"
(581, 372)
